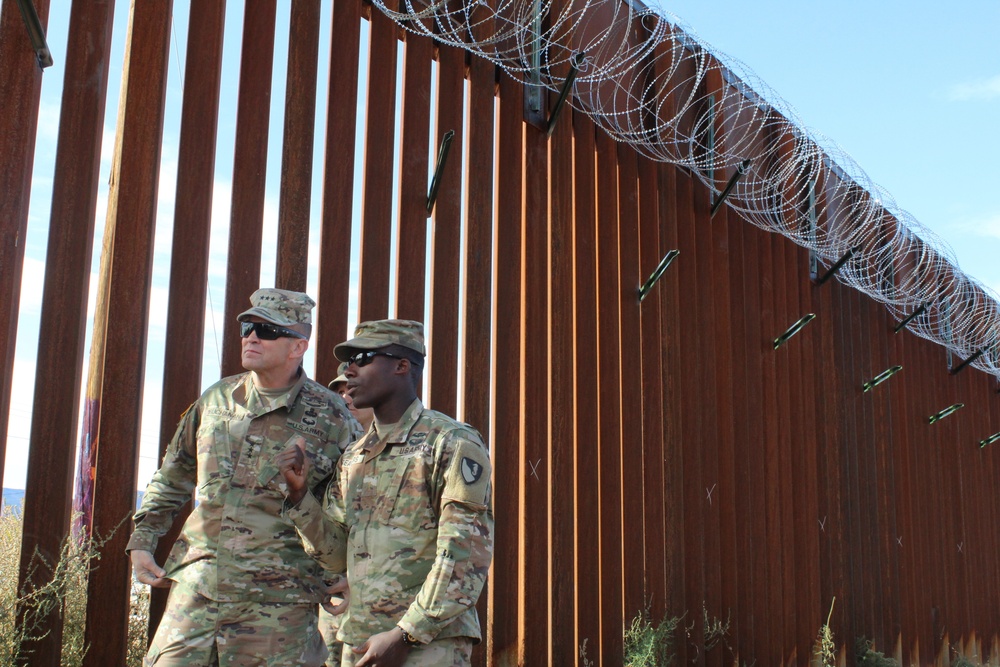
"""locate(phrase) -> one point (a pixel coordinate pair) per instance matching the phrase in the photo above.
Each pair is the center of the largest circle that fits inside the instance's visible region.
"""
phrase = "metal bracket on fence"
(912, 316)
(438, 168)
(968, 361)
(36, 33)
(880, 378)
(944, 413)
(836, 267)
(794, 329)
(657, 273)
(741, 170)
(574, 67)
(990, 440)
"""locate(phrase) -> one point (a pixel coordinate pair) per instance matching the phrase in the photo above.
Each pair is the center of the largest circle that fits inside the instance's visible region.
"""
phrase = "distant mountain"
(13, 498)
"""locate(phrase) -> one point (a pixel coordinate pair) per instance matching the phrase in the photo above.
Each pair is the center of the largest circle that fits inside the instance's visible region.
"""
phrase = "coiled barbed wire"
(647, 80)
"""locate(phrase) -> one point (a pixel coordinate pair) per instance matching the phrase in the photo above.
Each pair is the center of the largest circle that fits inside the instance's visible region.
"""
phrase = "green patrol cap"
(382, 333)
(280, 306)
(340, 376)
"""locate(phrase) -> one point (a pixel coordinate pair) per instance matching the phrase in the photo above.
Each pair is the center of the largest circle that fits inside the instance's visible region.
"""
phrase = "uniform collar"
(247, 395)
(399, 433)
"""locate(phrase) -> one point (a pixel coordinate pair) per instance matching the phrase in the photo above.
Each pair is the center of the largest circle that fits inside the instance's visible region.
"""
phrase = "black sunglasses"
(268, 331)
(362, 359)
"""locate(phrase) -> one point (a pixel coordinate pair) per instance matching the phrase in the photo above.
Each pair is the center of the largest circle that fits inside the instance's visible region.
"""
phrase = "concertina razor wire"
(646, 79)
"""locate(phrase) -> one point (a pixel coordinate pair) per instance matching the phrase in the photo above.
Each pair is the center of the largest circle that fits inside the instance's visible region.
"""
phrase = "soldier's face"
(263, 356)
(370, 385)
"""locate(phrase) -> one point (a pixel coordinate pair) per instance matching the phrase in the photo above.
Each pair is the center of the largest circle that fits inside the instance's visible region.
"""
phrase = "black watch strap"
(409, 639)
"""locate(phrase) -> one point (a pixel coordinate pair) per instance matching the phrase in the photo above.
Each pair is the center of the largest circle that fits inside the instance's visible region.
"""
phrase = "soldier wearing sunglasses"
(409, 512)
(243, 591)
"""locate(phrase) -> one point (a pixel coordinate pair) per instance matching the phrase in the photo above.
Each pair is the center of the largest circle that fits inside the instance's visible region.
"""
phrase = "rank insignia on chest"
(471, 471)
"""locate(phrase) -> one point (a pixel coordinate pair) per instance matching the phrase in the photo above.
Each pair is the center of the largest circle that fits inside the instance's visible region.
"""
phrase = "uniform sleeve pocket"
(439, 580)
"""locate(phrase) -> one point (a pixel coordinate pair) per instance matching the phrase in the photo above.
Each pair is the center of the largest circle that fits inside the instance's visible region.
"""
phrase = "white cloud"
(977, 89)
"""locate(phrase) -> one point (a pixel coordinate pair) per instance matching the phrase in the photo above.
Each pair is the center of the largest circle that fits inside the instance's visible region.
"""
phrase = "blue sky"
(910, 90)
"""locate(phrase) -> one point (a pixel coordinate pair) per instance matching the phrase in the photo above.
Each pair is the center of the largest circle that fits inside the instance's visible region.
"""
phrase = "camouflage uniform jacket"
(411, 513)
(236, 545)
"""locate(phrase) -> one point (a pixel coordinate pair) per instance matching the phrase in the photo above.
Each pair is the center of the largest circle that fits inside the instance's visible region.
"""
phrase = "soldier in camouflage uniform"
(409, 512)
(330, 614)
(365, 416)
(243, 592)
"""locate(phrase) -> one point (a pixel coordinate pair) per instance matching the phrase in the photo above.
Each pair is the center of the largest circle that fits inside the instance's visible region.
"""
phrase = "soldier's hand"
(294, 466)
(385, 649)
(337, 588)
(146, 570)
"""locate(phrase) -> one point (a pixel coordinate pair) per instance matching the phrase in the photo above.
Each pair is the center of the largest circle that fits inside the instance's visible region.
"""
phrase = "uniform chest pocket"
(212, 450)
(269, 474)
(409, 506)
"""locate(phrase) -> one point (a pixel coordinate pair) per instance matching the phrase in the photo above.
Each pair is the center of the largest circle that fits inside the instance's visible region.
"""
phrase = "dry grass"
(649, 645)
(63, 591)
(825, 650)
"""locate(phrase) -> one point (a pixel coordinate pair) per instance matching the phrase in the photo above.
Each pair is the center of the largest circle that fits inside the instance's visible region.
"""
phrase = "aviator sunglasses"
(268, 331)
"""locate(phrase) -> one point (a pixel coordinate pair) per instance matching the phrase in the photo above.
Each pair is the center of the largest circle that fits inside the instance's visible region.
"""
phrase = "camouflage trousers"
(328, 626)
(449, 652)
(198, 632)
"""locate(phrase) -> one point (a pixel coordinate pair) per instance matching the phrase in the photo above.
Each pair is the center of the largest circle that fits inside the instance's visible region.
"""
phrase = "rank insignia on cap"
(471, 471)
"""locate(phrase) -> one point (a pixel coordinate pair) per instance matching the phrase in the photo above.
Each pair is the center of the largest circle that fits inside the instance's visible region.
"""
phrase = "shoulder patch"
(467, 478)
(471, 470)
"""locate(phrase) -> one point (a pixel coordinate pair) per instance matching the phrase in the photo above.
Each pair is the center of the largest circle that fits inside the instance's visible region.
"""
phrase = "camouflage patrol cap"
(381, 333)
(332, 384)
(279, 306)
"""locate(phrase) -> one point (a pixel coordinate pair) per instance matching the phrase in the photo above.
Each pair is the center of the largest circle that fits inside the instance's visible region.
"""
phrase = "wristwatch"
(409, 639)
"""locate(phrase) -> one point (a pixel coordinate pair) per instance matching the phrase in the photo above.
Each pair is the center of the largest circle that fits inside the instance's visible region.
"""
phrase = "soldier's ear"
(299, 348)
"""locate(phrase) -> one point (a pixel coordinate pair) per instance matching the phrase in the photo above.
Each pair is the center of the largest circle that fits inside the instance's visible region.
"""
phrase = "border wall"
(656, 455)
